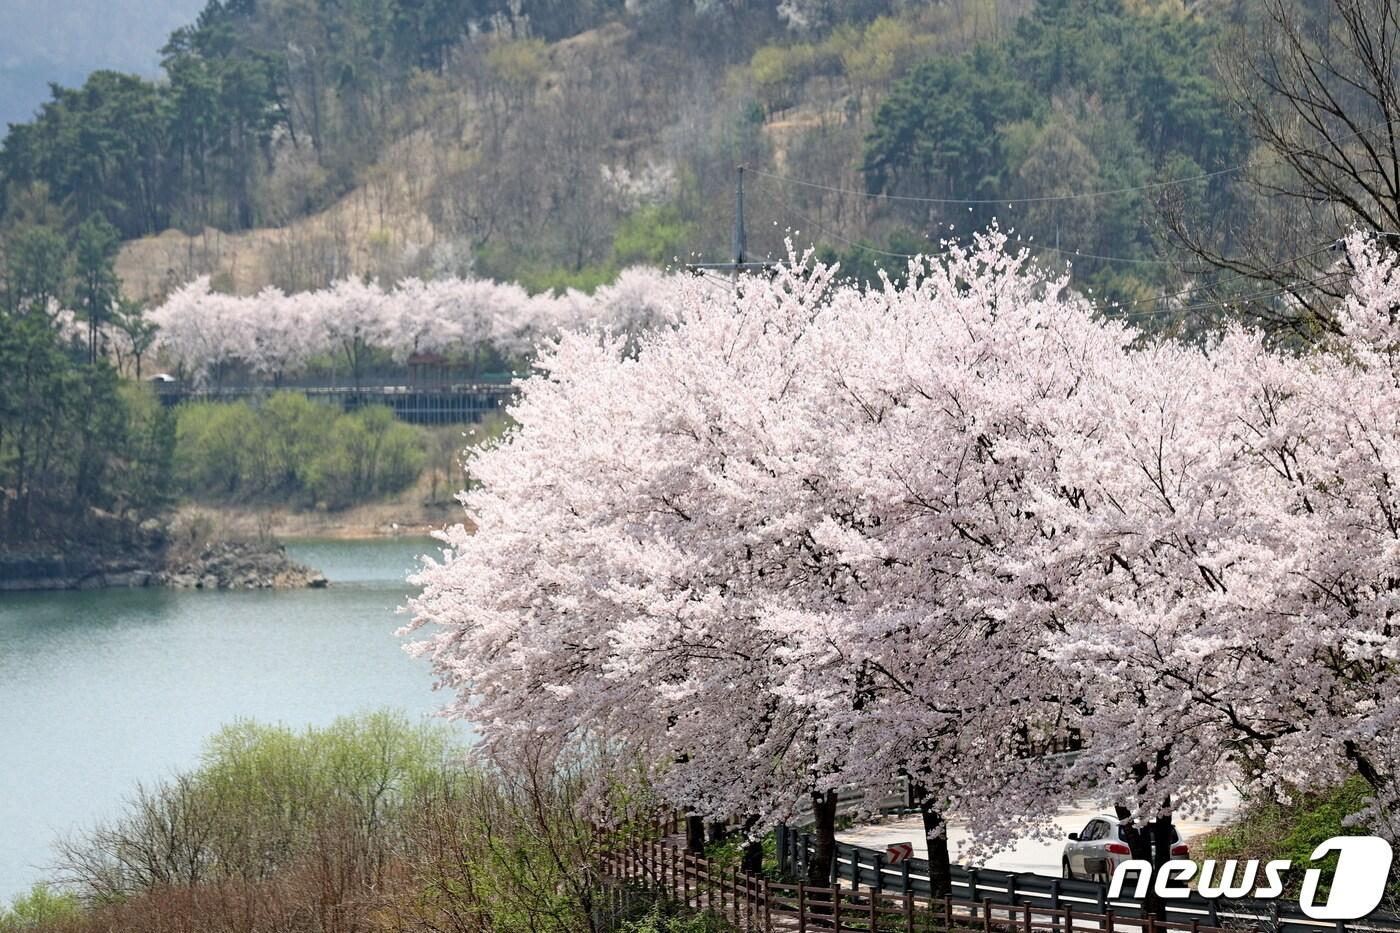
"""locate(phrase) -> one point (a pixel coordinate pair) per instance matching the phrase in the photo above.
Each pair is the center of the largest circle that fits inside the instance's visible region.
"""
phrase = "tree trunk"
(1153, 844)
(1160, 831)
(940, 866)
(1139, 845)
(753, 857)
(824, 858)
(695, 835)
(753, 849)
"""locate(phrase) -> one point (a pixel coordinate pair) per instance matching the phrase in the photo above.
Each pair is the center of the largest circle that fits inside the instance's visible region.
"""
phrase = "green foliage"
(40, 907)
(940, 128)
(370, 823)
(657, 235)
(865, 261)
(370, 454)
(281, 781)
(72, 436)
(1155, 65)
(561, 278)
(672, 918)
(977, 126)
(263, 797)
(292, 449)
(103, 147)
(192, 149)
(36, 268)
(95, 256)
(1272, 830)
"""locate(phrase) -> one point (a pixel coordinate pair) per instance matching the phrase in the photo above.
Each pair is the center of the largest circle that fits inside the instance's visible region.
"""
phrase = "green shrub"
(42, 905)
(264, 798)
(372, 823)
(1271, 830)
(671, 918)
(211, 446)
(370, 454)
(657, 234)
(292, 449)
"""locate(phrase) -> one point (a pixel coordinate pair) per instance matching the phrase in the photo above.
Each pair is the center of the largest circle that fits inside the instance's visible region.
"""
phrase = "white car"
(163, 379)
(1095, 851)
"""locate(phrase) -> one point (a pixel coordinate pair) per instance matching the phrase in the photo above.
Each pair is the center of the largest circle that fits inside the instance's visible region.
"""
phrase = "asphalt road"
(1032, 855)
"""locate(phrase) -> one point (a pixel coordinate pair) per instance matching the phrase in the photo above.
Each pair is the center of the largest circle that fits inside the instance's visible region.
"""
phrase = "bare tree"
(1317, 83)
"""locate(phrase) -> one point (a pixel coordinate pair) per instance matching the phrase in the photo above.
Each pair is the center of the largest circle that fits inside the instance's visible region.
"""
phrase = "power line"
(1118, 306)
(1274, 292)
(1282, 264)
(1041, 199)
(884, 252)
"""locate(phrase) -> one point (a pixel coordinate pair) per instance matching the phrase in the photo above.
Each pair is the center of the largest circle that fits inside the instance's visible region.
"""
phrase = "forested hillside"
(294, 142)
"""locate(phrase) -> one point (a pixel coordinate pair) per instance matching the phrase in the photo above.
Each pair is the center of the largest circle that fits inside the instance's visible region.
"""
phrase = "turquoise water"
(102, 690)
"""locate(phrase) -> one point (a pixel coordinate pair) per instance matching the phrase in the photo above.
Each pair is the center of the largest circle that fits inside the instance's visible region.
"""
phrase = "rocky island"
(151, 553)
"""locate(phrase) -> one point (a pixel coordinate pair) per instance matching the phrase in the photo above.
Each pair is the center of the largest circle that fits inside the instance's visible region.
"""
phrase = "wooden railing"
(754, 903)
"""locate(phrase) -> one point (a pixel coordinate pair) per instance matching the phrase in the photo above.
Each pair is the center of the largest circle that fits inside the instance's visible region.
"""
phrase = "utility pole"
(740, 261)
(739, 239)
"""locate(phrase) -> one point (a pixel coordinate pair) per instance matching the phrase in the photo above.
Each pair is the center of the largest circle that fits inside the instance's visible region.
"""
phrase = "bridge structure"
(434, 403)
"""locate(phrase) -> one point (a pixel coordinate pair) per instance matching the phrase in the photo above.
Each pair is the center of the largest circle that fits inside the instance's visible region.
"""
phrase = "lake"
(105, 689)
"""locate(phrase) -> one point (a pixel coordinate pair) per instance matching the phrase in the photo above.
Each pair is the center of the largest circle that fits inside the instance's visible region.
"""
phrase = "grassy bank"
(1269, 829)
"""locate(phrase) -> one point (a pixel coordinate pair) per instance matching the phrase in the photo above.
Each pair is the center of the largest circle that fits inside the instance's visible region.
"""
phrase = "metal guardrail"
(758, 904)
(436, 403)
(866, 868)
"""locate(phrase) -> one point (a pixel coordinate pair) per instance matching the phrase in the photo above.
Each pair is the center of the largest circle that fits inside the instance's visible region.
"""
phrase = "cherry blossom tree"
(275, 334)
(812, 536)
(752, 547)
(1240, 508)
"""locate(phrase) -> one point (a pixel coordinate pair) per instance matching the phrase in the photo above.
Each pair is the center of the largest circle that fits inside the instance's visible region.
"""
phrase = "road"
(1033, 855)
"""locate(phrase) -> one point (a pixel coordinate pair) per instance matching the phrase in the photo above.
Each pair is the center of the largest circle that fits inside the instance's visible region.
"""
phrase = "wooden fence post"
(704, 882)
(801, 908)
(738, 906)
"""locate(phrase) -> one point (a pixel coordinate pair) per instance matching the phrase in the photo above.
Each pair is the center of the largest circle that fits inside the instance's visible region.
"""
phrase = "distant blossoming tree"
(274, 334)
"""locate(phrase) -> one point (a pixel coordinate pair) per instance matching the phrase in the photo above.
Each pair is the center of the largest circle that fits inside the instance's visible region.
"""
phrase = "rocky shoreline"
(241, 565)
(221, 565)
